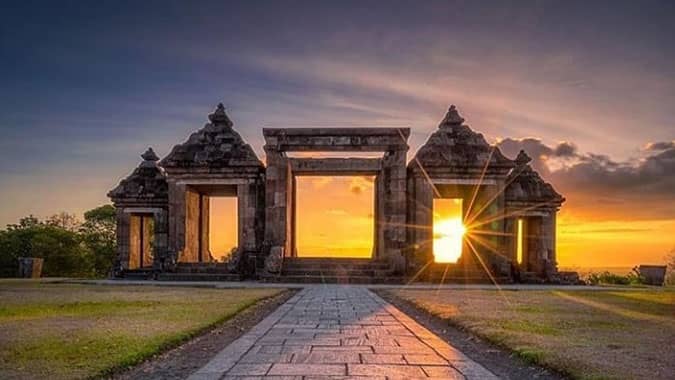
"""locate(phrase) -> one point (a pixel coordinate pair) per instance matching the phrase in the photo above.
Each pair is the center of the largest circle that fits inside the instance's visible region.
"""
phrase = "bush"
(607, 278)
(69, 248)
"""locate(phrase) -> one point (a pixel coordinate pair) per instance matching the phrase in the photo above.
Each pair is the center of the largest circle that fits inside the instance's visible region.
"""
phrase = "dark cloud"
(644, 188)
(539, 151)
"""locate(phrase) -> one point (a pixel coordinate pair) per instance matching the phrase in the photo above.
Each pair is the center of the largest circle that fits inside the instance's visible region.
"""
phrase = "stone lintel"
(329, 166)
(530, 209)
(142, 210)
(336, 139)
(216, 181)
(344, 132)
(463, 181)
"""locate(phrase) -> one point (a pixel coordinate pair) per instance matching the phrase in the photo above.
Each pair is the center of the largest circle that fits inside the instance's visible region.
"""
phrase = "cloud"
(595, 184)
(661, 145)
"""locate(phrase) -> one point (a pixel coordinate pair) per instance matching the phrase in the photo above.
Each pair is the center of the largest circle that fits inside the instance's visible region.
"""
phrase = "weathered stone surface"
(30, 267)
(215, 146)
(145, 186)
(525, 185)
(274, 260)
(455, 147)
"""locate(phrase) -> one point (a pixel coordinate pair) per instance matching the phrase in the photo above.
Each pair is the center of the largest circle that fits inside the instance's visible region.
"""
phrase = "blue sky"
(85, 87)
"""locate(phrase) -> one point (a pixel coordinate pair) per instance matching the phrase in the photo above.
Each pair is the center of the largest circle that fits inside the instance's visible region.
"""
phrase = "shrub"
(608, 278)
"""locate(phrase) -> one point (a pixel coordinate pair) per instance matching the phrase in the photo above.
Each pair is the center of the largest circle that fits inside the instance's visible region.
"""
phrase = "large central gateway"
(389, 172)
(459, 210)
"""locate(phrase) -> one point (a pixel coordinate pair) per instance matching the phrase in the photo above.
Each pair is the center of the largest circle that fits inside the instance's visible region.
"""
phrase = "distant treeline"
(70, 247)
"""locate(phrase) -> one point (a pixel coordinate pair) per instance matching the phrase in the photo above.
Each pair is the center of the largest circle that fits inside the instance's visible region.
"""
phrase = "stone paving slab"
(340, 332)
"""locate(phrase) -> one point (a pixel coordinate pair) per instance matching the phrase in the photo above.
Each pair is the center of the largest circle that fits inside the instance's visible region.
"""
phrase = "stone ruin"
(163, 206)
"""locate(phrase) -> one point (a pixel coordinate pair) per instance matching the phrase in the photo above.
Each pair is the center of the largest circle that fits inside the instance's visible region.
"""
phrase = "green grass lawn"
(624, 334)
(79, 331)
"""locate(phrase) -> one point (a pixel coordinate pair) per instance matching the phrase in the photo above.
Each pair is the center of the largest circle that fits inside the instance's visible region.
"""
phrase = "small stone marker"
(30, 267)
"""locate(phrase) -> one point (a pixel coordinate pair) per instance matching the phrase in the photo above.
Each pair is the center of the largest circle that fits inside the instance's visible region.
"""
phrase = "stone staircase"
(335, 271)
(438, 273)
(187, 272)
(200, 272)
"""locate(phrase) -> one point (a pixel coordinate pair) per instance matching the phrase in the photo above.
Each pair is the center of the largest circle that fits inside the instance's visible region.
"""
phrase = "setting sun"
(448, 230)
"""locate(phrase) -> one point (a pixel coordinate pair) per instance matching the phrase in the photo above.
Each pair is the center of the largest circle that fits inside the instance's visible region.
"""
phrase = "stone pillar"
(161, 240)
(548, 249)
(511, 238)
(204, 226)
(135, 242)
(423, 222)
(379, 217)
(122, 235)
(394, 182)
(148, 234)
(190, 252)
(176, 224)
(533, 244)
(277, 201)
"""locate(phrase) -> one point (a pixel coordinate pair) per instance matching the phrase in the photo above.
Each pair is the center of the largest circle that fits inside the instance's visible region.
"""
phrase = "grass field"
(624, 334)
(79, 331)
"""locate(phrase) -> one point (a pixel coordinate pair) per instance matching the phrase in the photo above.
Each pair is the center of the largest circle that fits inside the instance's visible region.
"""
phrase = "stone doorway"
(389, 171)
(211, 215)
(333, 217)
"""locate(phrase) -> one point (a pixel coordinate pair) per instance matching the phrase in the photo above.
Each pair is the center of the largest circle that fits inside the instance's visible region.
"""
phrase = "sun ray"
(480, 181)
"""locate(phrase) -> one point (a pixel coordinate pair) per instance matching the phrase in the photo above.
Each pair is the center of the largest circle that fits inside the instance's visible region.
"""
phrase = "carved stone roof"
(525, 185)
(458, 148)
(147, 184)
(214, 146)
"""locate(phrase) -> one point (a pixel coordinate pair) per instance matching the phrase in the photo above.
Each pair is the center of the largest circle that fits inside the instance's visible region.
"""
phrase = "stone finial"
(149, 155)
(219, 116)
(452, 117)
(522, 158)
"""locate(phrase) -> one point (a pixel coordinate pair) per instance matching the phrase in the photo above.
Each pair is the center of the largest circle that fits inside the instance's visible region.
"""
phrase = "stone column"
(123, 239)
(176, 219)
(422, 205)
(277, 202)
(204, 228)
(511, 238)
(161, 240)
(394, 182)
(190, 252)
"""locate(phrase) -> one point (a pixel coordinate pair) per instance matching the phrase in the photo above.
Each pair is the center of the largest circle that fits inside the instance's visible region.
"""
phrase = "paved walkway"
(339, 332)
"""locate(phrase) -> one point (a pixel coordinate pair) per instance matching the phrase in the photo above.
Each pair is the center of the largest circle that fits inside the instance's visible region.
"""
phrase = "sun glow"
(448, 230)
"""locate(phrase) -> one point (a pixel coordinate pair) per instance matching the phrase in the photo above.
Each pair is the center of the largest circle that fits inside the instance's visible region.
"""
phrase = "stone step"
(198, 277)
(137, 274)
(469, 280)
(336, 272)
(332, 264)
(202, 265)
(335, 279)
(212, 270)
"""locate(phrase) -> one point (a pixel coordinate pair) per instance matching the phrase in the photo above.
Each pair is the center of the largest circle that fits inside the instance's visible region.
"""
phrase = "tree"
(98, 234)
(64, 220)
(62, 250)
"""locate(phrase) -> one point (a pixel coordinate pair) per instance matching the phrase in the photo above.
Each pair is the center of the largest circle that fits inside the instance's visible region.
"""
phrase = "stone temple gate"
(507, 209)
(389, 171)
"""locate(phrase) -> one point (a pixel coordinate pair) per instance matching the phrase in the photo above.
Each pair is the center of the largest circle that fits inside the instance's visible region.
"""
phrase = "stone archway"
(389, 171)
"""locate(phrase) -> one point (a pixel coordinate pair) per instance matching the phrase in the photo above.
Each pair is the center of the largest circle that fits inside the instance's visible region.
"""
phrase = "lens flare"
(448, 235)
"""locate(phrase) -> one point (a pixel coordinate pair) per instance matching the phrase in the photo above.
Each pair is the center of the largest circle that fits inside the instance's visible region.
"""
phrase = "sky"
(587, 88)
